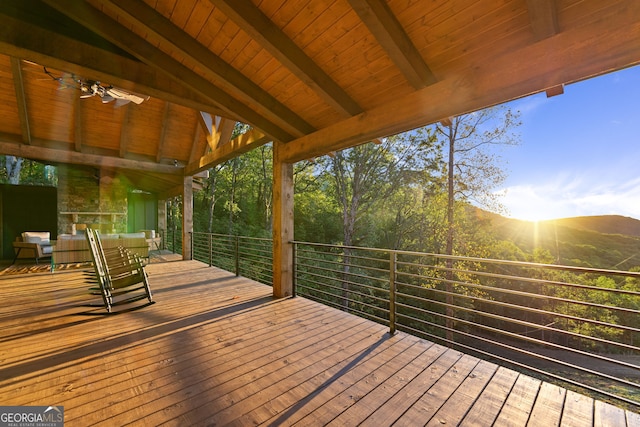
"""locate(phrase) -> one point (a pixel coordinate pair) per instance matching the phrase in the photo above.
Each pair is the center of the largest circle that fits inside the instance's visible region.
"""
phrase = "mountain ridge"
(600, 241)
(606, 224)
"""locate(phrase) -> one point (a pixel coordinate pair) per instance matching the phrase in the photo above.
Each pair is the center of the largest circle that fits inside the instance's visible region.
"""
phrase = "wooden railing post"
(293, 269)
(392, 292)
(210, 249)
(237, 255)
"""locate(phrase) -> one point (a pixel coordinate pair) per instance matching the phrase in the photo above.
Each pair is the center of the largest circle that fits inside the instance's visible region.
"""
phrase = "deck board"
(215, 349)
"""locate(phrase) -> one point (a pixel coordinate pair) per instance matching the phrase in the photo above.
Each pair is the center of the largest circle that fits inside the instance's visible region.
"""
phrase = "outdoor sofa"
(32, 245)
(74, 248)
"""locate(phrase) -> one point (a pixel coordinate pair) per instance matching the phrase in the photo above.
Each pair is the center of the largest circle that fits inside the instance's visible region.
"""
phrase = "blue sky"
(579, 152)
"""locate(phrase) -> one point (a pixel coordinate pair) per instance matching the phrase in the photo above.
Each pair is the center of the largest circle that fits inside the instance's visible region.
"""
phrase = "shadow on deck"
(216, 349)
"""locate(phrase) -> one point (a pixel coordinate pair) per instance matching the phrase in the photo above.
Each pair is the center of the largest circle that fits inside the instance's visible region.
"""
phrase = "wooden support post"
(282, 225)
(187, 217)
(162, 220)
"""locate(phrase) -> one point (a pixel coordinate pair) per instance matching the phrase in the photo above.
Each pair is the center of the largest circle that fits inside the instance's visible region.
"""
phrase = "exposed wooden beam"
(163, 132)
(251, 19)
(223, 131)
(124, 130)
(24, 40)
(120, 36)
(501, 79)
(543, 18)
(384, 26)
(8, 146)
(283, 225)
(187, 216)
(213, 67)
(447, 121)
(237, 146)
(23, 113)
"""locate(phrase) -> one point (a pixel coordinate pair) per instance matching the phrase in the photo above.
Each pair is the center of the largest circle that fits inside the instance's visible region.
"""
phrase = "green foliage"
(15, 170)
(565, 244)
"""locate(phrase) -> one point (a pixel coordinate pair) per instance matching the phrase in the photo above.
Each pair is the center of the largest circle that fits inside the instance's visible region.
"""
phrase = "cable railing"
(578, 327)
(245, 256)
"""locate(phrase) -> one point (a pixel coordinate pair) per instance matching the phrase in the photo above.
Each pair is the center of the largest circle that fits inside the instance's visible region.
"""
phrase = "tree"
(16, 170)
(368, 175)
(365, 176)
(472, 169)
(13, 165)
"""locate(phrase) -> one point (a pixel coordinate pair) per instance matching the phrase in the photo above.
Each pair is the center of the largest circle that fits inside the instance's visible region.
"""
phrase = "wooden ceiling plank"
(543, 18)
(124, 131)
(24, 40)
(163, 132)
(196, 148)
(140, 48)
(384, 26)
(237, 146)
(246, 15)
(78, 126)
(503, 78)
(52, 155)
(231, 80)
(21, 100)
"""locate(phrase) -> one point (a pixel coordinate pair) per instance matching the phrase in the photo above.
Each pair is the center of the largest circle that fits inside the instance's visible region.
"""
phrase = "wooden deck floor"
(218, 350)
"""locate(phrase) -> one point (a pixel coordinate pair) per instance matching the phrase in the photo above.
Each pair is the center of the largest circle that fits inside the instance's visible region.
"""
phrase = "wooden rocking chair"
(120, 274)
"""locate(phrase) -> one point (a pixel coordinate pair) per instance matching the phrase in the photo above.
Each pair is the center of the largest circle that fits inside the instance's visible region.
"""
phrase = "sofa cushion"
(40, 237)
(71, 237)
(132, 235)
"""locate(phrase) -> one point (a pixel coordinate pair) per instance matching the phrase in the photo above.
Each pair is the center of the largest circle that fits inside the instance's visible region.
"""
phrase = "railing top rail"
(480, 260)
(204, 233)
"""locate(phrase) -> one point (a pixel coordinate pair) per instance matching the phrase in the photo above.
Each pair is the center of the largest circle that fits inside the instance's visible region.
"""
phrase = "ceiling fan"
(90, 88)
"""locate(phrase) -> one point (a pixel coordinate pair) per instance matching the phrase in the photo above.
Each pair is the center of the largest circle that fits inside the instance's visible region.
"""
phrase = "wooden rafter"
(223, 129)
(239, 145)
(482, 86)
(127, 40)
(38, 152)
(246, 15)
(25, 40)
(384, 26)
(210, 64)
(543, 18)
(23, 113)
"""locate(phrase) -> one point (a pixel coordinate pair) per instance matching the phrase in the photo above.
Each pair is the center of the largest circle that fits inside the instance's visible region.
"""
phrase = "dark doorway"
(142, 212)
(26, 208)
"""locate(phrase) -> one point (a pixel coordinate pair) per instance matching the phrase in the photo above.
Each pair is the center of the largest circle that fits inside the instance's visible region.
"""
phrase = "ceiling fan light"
(85, 90)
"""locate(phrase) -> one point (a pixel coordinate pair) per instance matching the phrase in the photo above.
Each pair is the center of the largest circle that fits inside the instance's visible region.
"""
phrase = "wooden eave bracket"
(554, 91)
